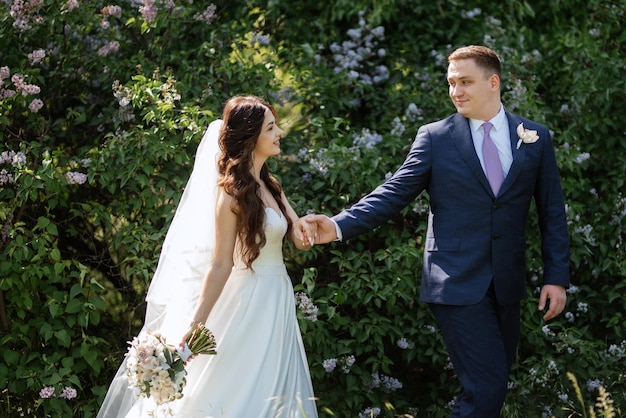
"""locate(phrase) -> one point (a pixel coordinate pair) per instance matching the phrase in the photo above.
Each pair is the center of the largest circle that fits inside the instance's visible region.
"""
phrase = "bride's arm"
(222, 263)
(301, 232)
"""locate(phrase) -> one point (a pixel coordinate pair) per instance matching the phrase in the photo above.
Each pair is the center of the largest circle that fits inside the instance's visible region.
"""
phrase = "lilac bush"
(103, 103)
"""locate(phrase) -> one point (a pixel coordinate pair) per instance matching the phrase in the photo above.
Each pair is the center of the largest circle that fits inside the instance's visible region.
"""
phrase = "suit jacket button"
(495, 206)
(496, 236)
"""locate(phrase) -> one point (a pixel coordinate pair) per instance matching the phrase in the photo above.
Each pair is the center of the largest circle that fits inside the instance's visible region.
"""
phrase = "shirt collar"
(496, 121)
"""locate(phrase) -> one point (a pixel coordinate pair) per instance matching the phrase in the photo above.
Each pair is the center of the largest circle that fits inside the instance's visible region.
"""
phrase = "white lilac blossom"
(534, 55)
(620, 210)
(47, 392)
(5, 177)
(397, 128)
(109, 48)
(553, 368)
(306, 306)
(440, 59)
(71, 5)
(16, 159)
(569, 317)
(25, 14)
(518, 92)
(168, 91)
(35, 105)
(74, 177)
(259, 39)
(584, 156)
(384, 381)
(348, 362)
(572, 289)
(370, 412)
(583, 307)
(354, 56)
(421, 207)
(470, 14)
(320, 163)
(36, 56)
(586, 232)
(345, 362)
(617, 351)
(426, 81)
(68, 393)
(115, 11)
(208, 16)
(593, 385)
(367, 139)
(546, 331)
(329, 364)
(430, 328)
(148, 10)
(404, 344)
(302, 155)
(413, 113)
(23, 87)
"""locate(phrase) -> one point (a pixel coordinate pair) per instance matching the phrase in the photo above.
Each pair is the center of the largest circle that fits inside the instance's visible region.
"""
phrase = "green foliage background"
(76, 259)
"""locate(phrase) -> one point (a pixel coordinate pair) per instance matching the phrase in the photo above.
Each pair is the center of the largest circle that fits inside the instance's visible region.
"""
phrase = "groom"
(481, 167)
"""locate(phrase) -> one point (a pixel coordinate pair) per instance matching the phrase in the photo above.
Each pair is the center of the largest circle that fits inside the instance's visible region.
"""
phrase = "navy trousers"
(481, 340)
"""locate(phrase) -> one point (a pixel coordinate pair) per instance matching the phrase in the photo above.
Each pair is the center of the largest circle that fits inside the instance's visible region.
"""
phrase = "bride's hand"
(305, 232)
(182, 346)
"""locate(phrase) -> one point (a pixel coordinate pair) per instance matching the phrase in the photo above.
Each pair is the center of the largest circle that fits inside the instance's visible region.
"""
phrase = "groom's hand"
(556, 296)
(326, 231)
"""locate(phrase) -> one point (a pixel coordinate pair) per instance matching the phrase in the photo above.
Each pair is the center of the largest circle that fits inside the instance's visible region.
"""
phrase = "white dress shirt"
(499, 134)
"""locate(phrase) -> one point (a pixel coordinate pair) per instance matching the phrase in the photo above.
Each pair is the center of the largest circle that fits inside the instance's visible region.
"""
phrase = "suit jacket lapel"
(518, 153)
(461, 134)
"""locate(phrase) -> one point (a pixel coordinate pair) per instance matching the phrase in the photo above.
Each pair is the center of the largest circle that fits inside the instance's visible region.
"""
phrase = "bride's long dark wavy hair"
(243, 121)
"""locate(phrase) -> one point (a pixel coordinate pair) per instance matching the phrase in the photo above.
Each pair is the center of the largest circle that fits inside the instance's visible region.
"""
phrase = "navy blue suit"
(475, 244)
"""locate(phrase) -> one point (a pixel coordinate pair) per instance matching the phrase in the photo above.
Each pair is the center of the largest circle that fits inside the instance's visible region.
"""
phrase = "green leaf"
(63, 336)
(74, 306)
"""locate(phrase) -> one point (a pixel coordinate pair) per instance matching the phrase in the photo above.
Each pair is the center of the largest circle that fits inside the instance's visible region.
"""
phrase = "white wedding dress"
(260, 369)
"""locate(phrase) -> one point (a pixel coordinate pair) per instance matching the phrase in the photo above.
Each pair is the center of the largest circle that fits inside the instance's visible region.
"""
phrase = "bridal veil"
(184, 260)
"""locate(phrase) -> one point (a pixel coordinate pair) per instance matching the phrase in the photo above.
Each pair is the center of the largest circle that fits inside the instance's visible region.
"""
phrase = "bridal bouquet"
(157, 369)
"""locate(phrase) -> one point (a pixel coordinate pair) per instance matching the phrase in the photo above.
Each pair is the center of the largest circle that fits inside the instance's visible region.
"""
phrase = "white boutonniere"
(526, 135)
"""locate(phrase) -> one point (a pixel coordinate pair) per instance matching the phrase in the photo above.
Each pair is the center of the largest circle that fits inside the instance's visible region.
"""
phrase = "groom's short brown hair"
(484, 57)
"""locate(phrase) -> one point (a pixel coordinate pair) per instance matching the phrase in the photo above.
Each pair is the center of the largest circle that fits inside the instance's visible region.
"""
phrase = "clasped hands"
(315, 229)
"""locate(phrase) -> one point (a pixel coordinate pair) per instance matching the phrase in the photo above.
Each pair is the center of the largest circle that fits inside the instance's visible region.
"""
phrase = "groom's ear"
(494, 81)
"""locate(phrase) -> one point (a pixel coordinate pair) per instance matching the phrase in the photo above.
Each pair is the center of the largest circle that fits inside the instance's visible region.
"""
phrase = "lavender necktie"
(495, 175)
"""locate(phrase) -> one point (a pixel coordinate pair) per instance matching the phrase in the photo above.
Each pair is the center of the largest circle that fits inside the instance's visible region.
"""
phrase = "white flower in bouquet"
(157, 370)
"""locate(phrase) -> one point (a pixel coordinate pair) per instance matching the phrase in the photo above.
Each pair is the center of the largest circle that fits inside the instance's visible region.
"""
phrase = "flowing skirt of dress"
(260, 369)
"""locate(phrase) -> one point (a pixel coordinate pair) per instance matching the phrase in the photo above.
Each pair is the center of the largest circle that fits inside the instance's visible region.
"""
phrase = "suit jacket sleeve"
(550, 205)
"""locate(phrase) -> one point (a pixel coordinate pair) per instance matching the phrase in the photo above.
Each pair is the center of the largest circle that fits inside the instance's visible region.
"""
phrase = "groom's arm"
(392, 196)
(550, 204)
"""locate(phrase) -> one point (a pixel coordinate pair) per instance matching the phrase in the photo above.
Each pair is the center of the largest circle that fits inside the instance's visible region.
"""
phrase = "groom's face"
(474, 93)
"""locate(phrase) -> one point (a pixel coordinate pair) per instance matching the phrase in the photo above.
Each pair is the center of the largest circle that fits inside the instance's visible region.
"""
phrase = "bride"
(222, 264)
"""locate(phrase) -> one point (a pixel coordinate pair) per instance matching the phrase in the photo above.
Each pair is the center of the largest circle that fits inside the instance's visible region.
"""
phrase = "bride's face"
(268, 143)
